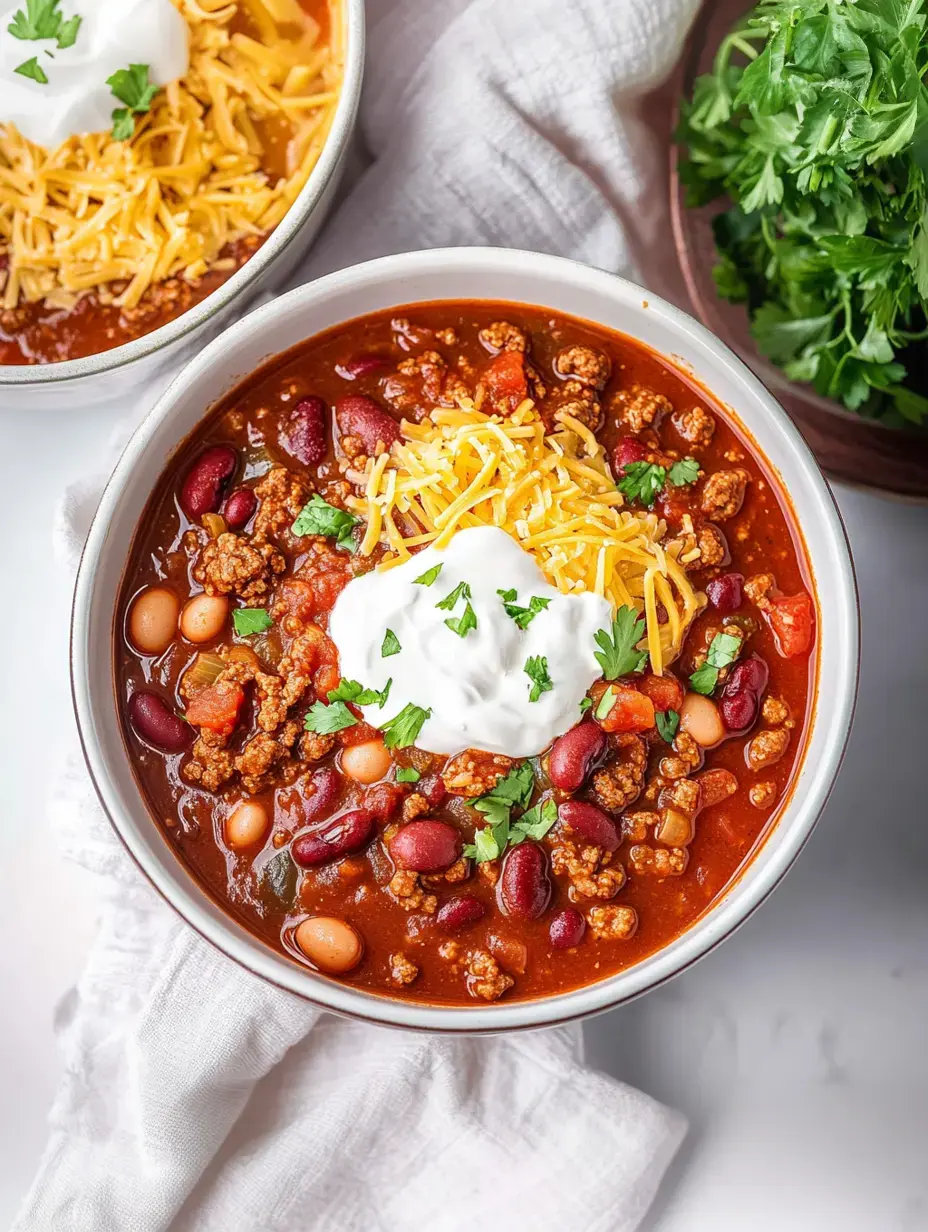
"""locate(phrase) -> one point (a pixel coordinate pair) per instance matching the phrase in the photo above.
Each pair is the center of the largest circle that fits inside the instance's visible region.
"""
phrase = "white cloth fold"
(195, 1096)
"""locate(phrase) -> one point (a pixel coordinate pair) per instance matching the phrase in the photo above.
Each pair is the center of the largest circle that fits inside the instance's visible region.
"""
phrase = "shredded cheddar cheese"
(194, 178)
(553, 493)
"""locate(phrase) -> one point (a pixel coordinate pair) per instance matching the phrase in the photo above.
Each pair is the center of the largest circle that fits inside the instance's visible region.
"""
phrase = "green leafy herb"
(642, 481)
(132, 87)
(352, 691)
(536, 668)
(391, 645)
(427, 578)
(606, 702)
(461, 591)
(814, 125)
(408, 774)
(585, 704)
(535, 823)
(617, 655)
(683, 472)
(488, 844)
(327, 719)
(462, 625)
(523, 616)
(43, 20)
(317, 517)
(249, 620)
(723, 650)
(514, 789)
(33, 70)
(67, 35)
(401, 731)
(667, 721)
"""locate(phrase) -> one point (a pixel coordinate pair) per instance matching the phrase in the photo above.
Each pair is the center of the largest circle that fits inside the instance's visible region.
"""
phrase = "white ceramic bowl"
(485, 274)
(125, 369)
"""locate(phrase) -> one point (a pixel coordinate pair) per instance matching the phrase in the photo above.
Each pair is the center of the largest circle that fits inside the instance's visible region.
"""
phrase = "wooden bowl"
(860, 451)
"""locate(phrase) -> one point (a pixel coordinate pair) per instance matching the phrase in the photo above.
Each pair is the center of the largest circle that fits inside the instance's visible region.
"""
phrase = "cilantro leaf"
(327, 719)
(513, 790)
(427, 578)
(667, 722)
(723, 650)
(67, 35)
(391, 645)
(33, 70)
(683, 472)
(523, 616)
(132, 87)
(401, 731)
(41, 20)
(318, 517)
(535, 823)
(249, 620)
(642, 481)
(123, 124)
(536, 668)
(408, 774)
(617, 655)
(585, 704)
(461, 591)
(486, 845)
(462, 625)
(352, 691)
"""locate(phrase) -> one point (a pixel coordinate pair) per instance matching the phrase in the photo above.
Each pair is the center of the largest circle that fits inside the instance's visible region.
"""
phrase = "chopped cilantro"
(327, 719)
(33, 70)
(249, 620)
(42, 20)
(617, 655)
(585, 704)
(462, 625)
(132, 87)
(317, 517)
(535, 823)
(523, 616)
(427, 578)
(67, 35)
(401, 731)
(461, 591)
(408, 774)
(391, 645)
(352, 691)
(683, 472)
(668, 721)
(536, 668)
(514, 789)
(642, 481)
(723, 650)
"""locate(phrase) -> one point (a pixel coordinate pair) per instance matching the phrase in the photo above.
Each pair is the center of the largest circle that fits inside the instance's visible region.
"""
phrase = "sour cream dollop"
(476, 686)
(76, 99)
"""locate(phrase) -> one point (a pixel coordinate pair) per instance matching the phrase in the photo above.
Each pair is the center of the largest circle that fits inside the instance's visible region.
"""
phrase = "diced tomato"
(792, 618)
(666, 692)
(504, 378)
(216, 707)
(631, 711)
(326, 674)
(359, 734)
(326, 587)
(383, 800)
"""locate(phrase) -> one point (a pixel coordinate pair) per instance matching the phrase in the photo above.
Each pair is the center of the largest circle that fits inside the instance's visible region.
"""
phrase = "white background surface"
(798, 1050)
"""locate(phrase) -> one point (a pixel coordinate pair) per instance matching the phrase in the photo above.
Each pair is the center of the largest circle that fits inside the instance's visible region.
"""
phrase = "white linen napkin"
(196, 1096)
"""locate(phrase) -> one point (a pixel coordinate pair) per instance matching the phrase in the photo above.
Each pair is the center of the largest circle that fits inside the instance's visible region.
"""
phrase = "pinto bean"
(426, 846)
(700, 717)
(153, 619)
(362, 417)
(334, 839)
(239, 508)
(327, 789)
(204, 617)
(574, 754)
(303, 430)
(246, 825)
(459, 913)
(726, 593)
(329, 943)
(157, 724)
(524, 887)
(206, 480)
(367, 762)
(567, 929)
(589, 823)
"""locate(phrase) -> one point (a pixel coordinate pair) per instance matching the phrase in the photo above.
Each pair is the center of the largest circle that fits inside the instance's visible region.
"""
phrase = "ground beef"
(619, 781)
(682, 794)
(658, 861)
(316, 745)
(230, 565)
(589, 869)
(484, 977)
(712, 545)
(774, 711)
(587, 365)
(210, 766)
(282, 495)
(272, 709)
(402, 971)
(420, 383)
(723, 494)
(638, 408)
(415, 806)
(263, 754)
(404, 888)
(612, 923)
(696, 426)
(687, 757)
(767, 747)
(762, 795)
(579, 401)
(635, 826)
(758, 588)
(501, 336)
(473, 773)
(459, 871)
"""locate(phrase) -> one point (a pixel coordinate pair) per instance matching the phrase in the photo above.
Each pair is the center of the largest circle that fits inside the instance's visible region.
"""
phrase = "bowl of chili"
(327, 846)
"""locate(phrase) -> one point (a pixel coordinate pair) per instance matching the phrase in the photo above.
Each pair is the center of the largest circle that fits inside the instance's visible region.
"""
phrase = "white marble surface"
(797, 1050)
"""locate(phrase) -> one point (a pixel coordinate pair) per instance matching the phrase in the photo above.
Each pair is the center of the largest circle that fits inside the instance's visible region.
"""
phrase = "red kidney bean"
(426, 846)
(360, 366)
(383, 800)
(567, 929)
(327, 789)
(157, 724)
(239, 508)
(431, 786)
(524, 888)
(725, 593)
(590, 823)
(206, 480)
(751, 673)
(627, 451)
(573, 755)
(303, 430)
(460, 913)
(334, 839)
(740, 700)
(362, 417)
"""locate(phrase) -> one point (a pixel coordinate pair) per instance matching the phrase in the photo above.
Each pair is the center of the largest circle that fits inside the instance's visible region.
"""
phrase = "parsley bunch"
(814, 123)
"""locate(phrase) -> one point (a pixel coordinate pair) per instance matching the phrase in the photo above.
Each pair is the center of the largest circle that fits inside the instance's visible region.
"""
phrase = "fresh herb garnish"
(535, 823)
(667, 721)
(408, 774)
(67, 35)
(513, 791)
(427, 578)
(536, 668)
(462, 625)
(642, 481)
(401, 731)
(617, 655)
(249, 620)
(33, 70)
(812, 124)
(132, 87)
(391, 645)
(684, 472)
(352, 691)
(523, 616)
(42, 20)
(461, 591)
(606, 702)
(723, 650)
(318, 517)
(327, 719)
(585, 704)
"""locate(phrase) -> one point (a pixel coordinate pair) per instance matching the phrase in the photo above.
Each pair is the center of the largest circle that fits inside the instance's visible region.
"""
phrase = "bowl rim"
(710, 929)
(279, 239)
